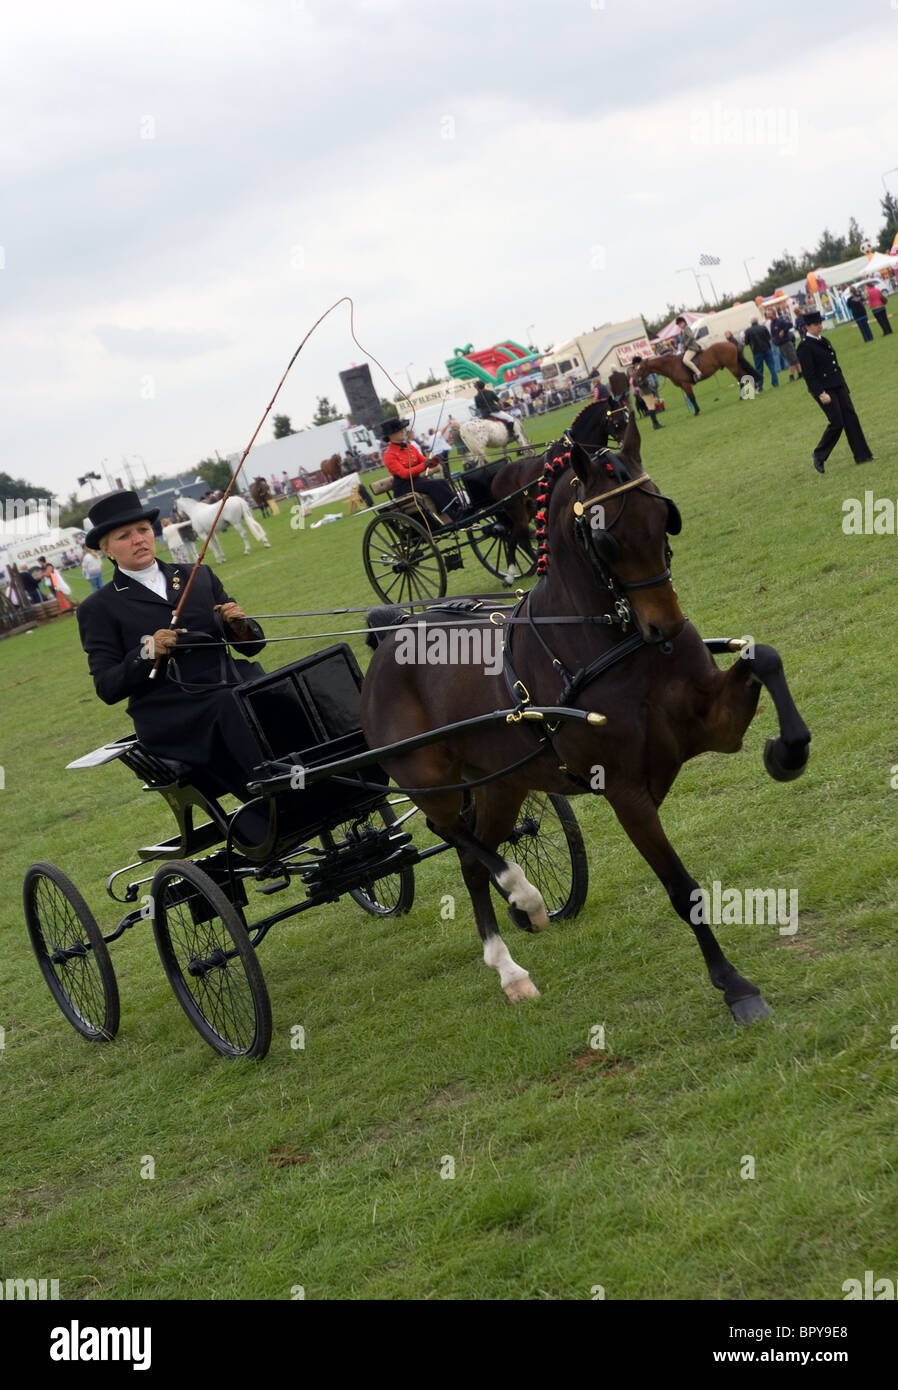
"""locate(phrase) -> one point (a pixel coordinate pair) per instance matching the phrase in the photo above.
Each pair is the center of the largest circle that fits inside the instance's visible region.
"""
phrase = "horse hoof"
(521, 989)
(750, 1010)
(523, 922)
(785, 764)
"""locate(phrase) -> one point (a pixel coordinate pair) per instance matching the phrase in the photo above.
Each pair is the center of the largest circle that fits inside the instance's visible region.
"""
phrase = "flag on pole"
(705, 259)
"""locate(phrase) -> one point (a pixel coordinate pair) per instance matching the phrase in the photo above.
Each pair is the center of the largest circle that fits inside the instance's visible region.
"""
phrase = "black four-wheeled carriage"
(323, 816)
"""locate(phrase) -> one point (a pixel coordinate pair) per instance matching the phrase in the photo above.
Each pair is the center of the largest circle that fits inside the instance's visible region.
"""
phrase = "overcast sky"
(187, 186)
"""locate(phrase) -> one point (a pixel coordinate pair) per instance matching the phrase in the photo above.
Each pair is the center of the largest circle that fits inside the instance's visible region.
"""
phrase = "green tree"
(830, 249)
(324, 412)
(889, 206)
(387, 407)
(13, 489)
(854, 238)
(215, 472)
(72, 512)
(282, 426)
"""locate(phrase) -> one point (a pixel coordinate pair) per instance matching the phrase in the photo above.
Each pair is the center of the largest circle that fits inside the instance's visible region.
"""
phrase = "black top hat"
(115, 509)
(812, 316)
(392, 426)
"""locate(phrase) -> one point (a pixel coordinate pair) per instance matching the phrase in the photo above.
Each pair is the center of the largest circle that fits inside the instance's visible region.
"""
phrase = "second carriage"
(409, 551)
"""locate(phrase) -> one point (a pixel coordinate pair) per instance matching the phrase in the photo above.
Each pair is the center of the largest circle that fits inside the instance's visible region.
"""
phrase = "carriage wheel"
(209, 961)
(498, 553)
(548, 845)
(391, 894)
(402, 560)
(71, 952)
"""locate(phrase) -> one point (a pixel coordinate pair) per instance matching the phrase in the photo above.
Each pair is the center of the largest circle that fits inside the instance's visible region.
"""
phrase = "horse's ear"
(579, 461)
(631, 445)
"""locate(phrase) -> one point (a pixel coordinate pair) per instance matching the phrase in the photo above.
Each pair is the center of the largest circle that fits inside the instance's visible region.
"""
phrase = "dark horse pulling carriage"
(467, 746)
(408, 551)
(316, 819)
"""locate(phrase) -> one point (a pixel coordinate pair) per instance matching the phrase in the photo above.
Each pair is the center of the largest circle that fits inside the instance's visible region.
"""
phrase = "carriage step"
(277, 886)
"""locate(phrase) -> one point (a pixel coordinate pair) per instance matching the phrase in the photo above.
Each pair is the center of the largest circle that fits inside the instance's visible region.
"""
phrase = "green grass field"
(620, 1167)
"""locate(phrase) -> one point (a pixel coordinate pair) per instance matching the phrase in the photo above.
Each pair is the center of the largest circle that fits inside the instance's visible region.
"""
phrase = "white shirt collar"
(152, 577)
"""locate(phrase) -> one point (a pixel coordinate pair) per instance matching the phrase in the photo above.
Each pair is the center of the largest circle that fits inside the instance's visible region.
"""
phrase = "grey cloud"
(151, 345)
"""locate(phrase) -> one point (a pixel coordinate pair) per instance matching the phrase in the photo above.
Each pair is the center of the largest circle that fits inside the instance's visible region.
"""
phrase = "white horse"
(202, 514)
(479, 435)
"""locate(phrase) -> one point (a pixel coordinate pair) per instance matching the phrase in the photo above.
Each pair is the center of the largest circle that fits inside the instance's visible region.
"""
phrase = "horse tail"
(254, 528)
(745, 366)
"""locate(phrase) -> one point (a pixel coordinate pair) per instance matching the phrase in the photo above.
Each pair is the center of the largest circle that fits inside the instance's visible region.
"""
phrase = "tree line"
(786, 268)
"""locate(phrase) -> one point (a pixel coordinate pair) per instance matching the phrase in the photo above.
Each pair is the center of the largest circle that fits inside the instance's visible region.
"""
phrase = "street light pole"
(697, 285)
(748, 272)
(529, 339)
(707, 277)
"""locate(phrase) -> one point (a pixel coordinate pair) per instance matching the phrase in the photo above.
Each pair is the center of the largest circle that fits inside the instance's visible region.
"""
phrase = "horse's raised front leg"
(639, 818)
(732, 711)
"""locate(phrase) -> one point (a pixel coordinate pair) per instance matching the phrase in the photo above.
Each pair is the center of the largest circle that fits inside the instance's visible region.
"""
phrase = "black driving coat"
(200, 726)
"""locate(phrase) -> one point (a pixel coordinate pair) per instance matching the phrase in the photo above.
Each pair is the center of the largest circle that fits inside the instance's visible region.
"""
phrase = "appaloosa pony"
(479, 435)
(602, 631)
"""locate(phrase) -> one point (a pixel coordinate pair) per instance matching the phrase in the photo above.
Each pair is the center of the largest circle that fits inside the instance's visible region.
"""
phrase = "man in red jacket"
(407, 464)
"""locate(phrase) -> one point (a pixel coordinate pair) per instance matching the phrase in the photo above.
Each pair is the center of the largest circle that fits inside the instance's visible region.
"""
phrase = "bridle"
(601, 547)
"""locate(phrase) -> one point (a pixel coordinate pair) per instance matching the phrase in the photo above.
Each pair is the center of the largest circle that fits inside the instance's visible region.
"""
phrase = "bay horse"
(629, 653)
(332, 468)
(715, 357)
(236, 511)
(478, 435)
(260, 492)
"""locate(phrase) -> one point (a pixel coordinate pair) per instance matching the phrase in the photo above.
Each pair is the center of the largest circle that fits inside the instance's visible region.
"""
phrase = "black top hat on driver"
(812, 316)
(392, 426)
(115, 509)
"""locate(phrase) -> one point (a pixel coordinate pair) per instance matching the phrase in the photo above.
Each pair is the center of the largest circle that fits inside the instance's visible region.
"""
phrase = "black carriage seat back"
(308, 712)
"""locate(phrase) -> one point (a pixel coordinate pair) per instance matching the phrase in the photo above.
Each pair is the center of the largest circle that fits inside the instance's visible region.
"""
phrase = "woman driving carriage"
(188, 711)
(406, 462)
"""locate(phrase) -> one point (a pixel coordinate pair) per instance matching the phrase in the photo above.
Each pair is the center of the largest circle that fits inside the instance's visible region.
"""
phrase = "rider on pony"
(487, 403)
(691, 347)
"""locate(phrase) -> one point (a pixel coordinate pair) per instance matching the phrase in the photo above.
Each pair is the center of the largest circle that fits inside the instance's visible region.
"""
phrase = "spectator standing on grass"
(878, 306)
(824, 379)
(439, 447)
(651, 385)
(92, 568)
(59, 589)
(781, 337)
(757, 338)
(858, 311)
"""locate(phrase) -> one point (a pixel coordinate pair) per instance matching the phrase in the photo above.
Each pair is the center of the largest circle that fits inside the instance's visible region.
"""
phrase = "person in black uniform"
(827, 385)
(188, 711)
